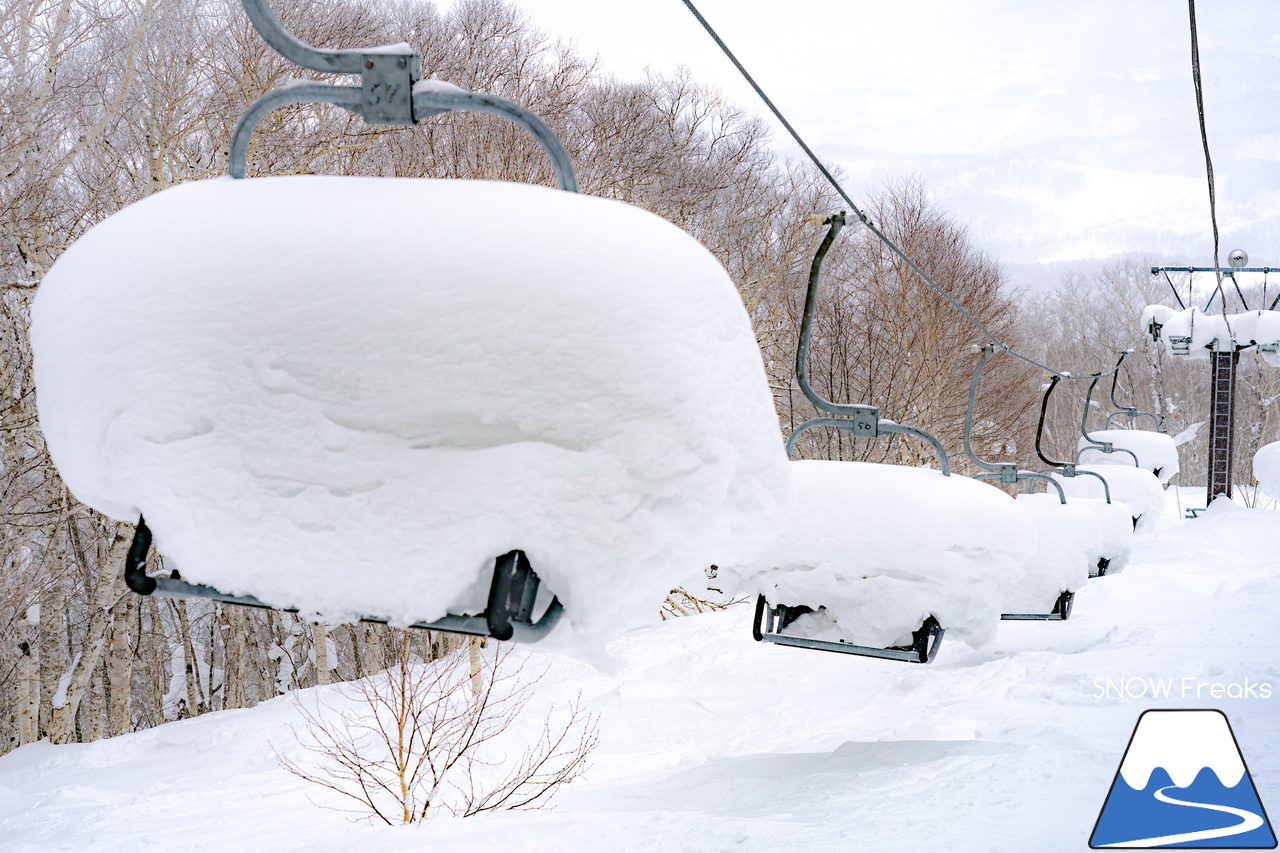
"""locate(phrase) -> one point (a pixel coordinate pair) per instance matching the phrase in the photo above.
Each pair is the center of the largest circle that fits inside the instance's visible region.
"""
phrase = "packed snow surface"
(350, 395)
(712, 742)
(1137, 488)
(1155, 451)
(1266, 469)
(1070, 542)
(882, 547)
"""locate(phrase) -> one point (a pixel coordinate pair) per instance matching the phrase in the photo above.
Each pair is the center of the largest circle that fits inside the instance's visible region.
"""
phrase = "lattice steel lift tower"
(1224, 358)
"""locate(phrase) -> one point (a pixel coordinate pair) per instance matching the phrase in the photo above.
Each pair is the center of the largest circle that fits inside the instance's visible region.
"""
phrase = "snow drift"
(1156, 451)
(882, 547)
(351, 394)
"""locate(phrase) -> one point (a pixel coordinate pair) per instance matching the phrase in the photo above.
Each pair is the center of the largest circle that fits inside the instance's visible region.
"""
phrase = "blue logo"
(1183, 783)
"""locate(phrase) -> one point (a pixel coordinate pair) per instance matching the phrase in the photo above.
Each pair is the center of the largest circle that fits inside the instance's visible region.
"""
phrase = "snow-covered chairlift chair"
(1114, 518)
(1069, 546)
(1149, 449)
(1047, 585)
(400, 397)
(880, 560)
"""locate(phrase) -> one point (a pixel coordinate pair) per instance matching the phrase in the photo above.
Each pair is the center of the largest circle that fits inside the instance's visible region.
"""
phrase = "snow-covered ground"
(712, 742)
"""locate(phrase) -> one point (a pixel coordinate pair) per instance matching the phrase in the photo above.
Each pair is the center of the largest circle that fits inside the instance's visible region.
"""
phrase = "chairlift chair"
(1110, 515)
(837, 495)
(1008, 473)
(1149, 449)
(518, 605)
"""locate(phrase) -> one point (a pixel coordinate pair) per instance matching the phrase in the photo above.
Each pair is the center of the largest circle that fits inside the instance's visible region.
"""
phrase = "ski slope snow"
(711, 742)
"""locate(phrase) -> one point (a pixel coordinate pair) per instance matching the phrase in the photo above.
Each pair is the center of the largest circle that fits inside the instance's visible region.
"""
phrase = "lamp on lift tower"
(1238, 259)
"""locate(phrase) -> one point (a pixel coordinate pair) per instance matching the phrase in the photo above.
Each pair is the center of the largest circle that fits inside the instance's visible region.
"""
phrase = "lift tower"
(1224, 358)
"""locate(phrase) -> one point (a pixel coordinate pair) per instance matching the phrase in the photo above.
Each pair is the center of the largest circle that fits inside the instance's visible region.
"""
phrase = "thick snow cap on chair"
(1070, 542)
(882, 547)
(351, 394)
(1266, 469)
(1156, 451)
(1115, 532)
(1137, 488)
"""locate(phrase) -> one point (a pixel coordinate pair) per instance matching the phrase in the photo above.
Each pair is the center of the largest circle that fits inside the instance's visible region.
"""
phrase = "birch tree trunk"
(195, 705)
(321, 635)
(120, 668)
(233, 656)
(29, 681)
(107, 589)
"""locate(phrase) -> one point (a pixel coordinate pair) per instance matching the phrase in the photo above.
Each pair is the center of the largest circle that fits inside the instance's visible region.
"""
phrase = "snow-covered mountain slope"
(712, 742)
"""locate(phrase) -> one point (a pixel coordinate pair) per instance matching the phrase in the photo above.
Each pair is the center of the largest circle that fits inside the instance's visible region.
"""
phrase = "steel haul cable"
(862, 217)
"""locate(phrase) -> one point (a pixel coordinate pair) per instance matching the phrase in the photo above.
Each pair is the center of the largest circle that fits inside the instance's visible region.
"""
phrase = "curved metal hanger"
(1066, 469)
(390, 93)
(1094, 444)
(861, 420)
(1130, 412)
(1003, 472)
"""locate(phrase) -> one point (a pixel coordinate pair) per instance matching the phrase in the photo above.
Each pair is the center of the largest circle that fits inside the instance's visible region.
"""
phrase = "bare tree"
(420, 738)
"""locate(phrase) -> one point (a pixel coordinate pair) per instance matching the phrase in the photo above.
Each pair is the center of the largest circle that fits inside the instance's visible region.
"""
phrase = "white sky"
(1062, 133)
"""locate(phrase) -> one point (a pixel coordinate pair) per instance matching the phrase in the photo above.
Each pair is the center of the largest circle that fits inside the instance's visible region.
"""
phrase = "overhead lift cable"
(871, 226)
(1204, 140)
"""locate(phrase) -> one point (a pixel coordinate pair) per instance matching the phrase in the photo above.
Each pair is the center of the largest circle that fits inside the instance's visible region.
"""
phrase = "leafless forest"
(106, 101)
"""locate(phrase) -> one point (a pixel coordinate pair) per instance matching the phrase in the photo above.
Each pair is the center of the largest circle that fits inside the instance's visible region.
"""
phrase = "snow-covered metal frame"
(771, 620)
(862, 420)
(507, 616)
(390, 93)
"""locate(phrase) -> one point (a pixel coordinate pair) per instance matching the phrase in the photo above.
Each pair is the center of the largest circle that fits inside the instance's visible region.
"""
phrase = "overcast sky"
(1061, 133)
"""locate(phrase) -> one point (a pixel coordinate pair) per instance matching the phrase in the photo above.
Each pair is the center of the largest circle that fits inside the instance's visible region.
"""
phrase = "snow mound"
(1266, 469)
(1267, 333)
(1115, 532)
(355, 414)
(1156, 452)
(1137, 488)
(1070, 543)
(882, 547)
